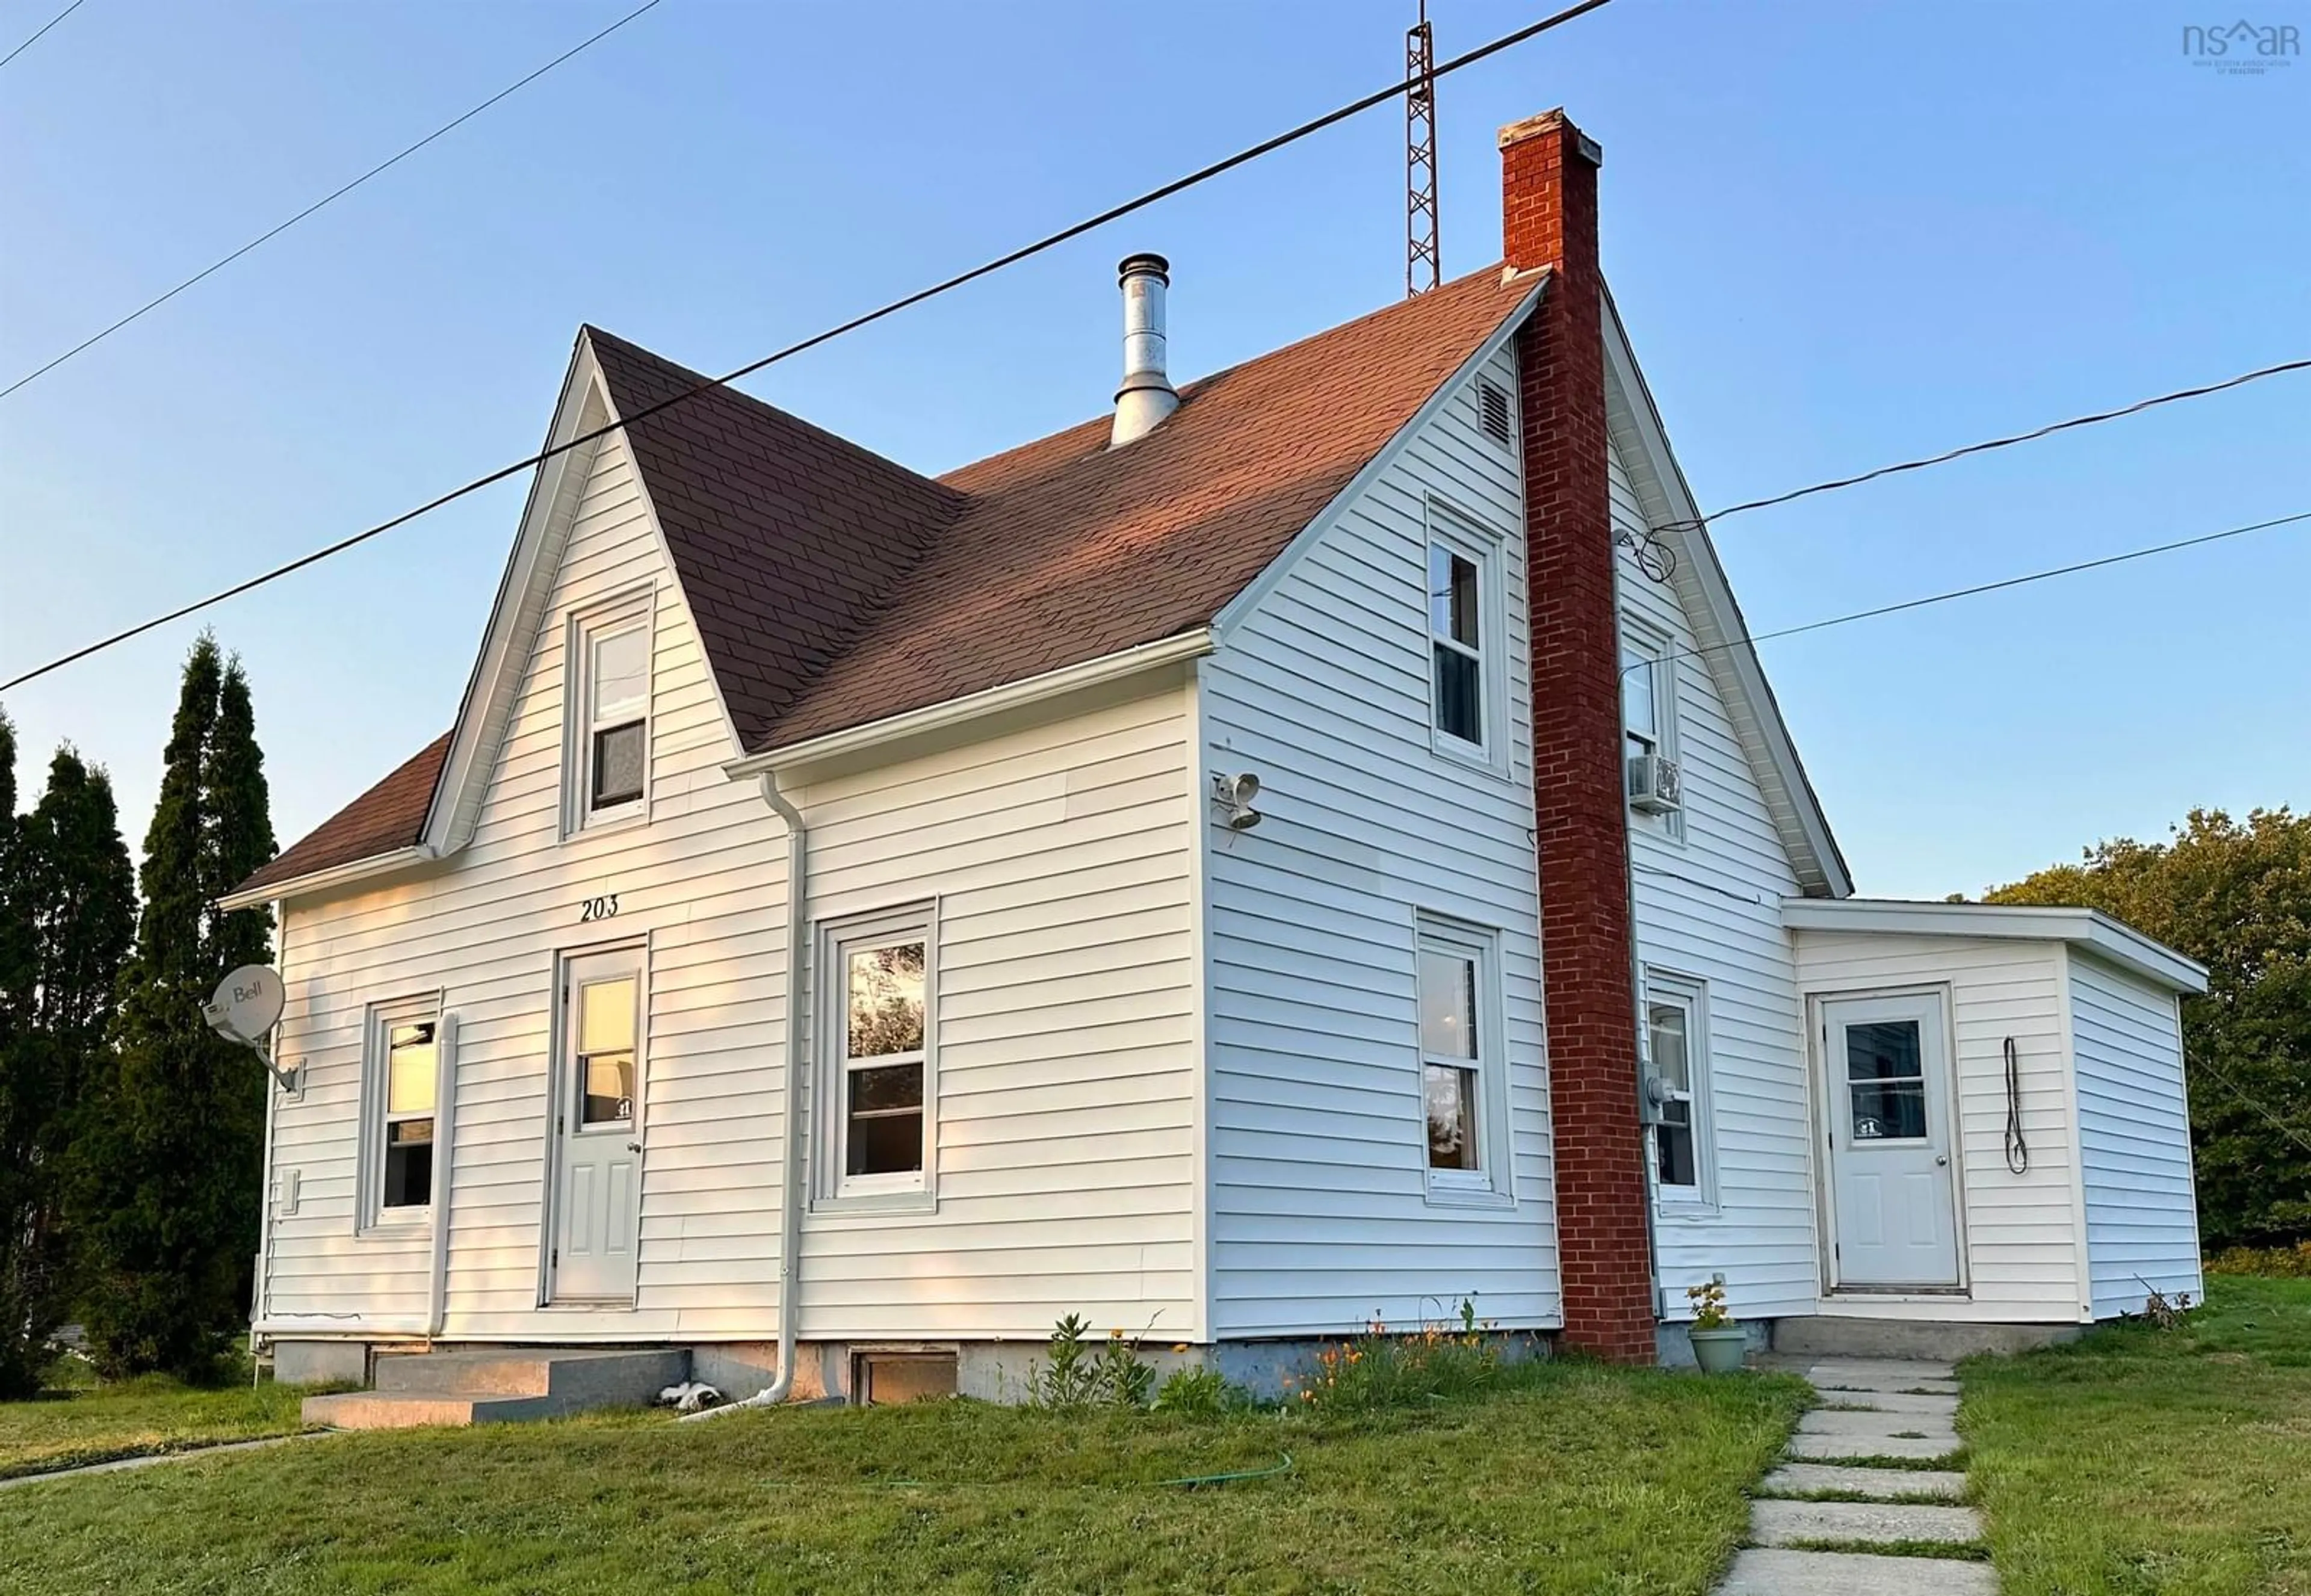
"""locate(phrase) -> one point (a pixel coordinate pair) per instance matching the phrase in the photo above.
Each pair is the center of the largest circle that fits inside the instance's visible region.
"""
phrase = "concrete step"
(1767, 1572)
(611, 1376)
(406, 1410)
(1941, 1410)
(1883, 1485)
(1837, 1448)
(1791, 1523)
(499, 1386)
(1880, 1372)
(1834, 1335)
(1832, 1421)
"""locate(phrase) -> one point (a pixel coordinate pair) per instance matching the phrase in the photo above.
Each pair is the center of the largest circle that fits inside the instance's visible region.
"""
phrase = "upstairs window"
(1466, 643)
(1649, 728)
(1456, 636)
(609, 715)
(1641, 696)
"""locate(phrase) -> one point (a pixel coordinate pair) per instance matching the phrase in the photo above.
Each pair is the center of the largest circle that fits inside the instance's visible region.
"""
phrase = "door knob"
(635, 1146)
(1941, 1160)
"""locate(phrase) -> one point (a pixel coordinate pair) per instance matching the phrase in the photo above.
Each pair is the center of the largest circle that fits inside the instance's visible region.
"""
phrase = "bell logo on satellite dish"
(246, 1006)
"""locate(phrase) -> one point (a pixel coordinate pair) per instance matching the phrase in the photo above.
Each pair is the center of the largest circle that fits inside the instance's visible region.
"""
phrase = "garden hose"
(1193, 1481)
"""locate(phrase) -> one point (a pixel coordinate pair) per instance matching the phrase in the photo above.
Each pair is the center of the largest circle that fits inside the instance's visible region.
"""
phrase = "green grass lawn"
(1576, 1479)
(2138, 1461)
(90, 1424)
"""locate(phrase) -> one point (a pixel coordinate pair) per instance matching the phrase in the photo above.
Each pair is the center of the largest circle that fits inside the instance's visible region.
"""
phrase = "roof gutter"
(336, 875)
(957, 711)
(2113, 939)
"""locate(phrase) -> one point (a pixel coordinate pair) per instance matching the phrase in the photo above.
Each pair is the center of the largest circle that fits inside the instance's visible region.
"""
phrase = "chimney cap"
(1553, 121)
(1147, 263)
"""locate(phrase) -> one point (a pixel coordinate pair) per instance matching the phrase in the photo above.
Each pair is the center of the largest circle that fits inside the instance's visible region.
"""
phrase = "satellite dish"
(247, 1003)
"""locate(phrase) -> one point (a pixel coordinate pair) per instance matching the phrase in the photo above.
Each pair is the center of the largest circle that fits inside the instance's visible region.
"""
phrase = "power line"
(1049, 241)
(327, 199)
(51, 22)
(2233, 1088)
(1979, 587)
(2035, 434)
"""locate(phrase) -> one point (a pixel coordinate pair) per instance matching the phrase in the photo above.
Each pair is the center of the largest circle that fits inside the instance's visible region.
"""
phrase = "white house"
(838, 926)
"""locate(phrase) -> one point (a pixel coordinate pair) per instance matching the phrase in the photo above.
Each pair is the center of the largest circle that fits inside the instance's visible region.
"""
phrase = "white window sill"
(399, 1225)
(1474, 755)
(877, 1202)
(619, 820)
(1686, 1207)
(1451, 1194)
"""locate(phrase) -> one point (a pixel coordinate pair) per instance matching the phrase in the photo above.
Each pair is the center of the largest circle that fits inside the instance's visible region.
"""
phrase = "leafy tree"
(71, 907)
(2237, 897)
(18, 1353)
(168, 1196)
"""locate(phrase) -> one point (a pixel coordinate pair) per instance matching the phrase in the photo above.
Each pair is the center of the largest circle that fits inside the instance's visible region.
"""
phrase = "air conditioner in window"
(1655, 788)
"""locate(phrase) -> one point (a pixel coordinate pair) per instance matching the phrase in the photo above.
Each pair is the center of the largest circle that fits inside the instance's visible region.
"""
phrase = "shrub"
(1439, 1361)
(1069, 1381)
(1078, 1377)
(2290, 1263)
(1199, 1393)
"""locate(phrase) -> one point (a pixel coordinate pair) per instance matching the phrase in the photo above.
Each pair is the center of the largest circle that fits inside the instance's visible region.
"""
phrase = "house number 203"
(601, 908)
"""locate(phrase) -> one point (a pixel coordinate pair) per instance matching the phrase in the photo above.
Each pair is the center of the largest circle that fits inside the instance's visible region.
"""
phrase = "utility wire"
(51, 22)
(1979, 587)
(1049, 241)
(2035, 434)
(327, 199)
(2233, 1088)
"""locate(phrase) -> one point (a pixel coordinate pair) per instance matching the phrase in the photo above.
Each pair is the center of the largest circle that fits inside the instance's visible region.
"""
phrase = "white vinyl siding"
(1708, 888)
(2134, 1139)
(702, 883)
(1318, 1185)
(2021, 1232)
(1068, 981)
(1066, 1065)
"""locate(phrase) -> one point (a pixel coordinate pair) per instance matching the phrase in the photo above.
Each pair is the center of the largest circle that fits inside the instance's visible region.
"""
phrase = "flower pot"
(1719, 1351)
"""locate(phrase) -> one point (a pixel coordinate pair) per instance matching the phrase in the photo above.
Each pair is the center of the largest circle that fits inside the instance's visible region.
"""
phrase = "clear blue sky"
(1841, 235)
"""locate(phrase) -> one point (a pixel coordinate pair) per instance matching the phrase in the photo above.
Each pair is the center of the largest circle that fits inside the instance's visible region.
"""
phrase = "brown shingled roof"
(390, 815)
(833, 588)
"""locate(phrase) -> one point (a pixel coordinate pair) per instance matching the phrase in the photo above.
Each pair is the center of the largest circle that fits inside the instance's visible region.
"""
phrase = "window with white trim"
(401, 1073)
(880, 1007)
(1463, 1073)
(1677, 1043)
(1649, 721)
(609, 715)
(1467, 640)
(1648, 706)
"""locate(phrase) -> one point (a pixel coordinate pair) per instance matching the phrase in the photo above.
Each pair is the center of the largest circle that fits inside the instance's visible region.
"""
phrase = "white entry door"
(1893, 1203)
(598, 1126)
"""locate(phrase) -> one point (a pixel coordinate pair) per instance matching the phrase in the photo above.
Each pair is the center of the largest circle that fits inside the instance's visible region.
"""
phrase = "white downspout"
(790, 1179)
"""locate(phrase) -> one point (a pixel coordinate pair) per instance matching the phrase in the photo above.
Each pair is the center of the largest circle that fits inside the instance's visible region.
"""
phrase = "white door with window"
(597, 1130)
(1892, 1197)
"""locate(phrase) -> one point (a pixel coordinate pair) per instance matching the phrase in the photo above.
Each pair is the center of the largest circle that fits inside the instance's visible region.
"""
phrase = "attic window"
(606, 715)
(1493, 400)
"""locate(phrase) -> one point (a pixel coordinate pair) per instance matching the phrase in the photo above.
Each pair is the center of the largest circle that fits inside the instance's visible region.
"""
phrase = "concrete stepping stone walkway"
(1845, 1491)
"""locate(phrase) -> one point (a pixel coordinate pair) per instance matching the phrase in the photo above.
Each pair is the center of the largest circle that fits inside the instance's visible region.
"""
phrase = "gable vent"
(1493, 401)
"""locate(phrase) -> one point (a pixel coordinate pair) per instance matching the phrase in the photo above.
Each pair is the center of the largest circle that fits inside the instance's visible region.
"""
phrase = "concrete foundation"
(321, 1363)
(1672, 1349)
(986, 1371)
(1831, 1335)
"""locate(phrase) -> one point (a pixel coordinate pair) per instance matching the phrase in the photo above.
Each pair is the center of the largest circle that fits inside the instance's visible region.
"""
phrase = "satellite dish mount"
(246, 1006)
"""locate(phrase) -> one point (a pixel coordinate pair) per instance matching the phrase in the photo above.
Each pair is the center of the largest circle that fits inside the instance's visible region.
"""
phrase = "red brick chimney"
(1548, 218)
